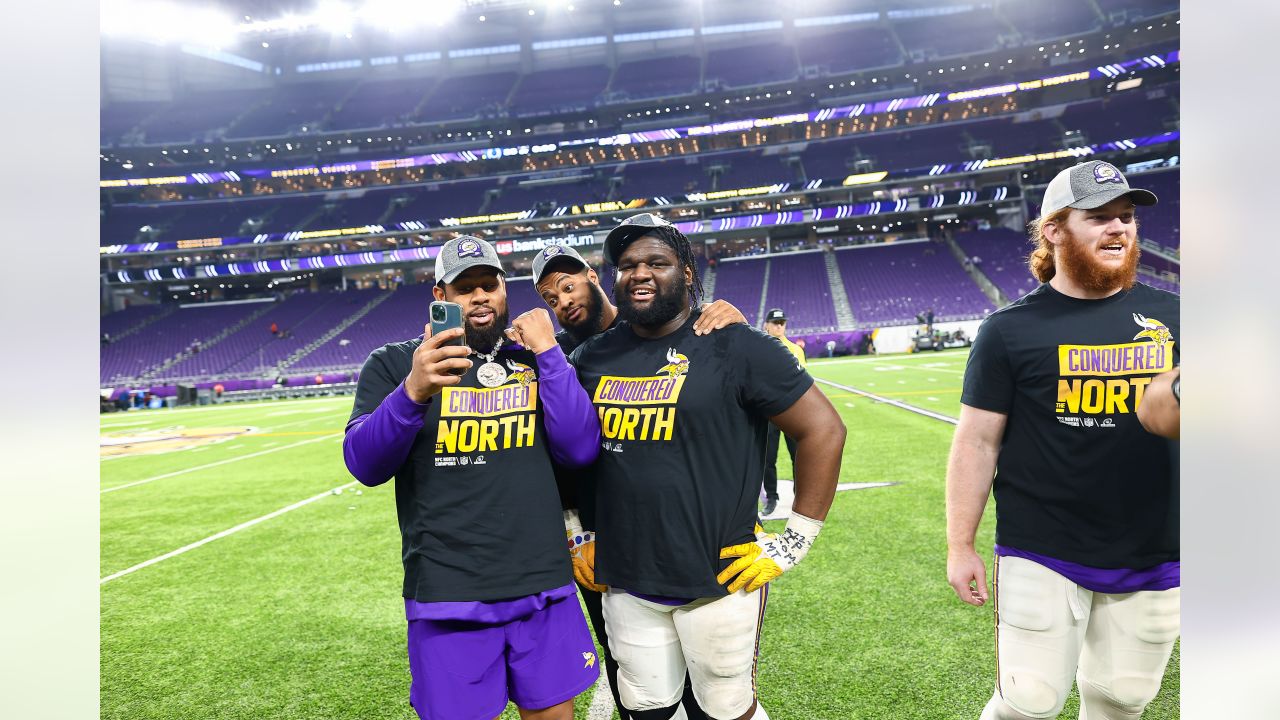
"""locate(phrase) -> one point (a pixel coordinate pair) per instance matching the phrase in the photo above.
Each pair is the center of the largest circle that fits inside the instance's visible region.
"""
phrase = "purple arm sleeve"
(572, 425)
(377, 444)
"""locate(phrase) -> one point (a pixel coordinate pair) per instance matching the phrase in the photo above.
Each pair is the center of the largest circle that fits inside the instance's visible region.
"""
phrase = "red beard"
(1077, 259)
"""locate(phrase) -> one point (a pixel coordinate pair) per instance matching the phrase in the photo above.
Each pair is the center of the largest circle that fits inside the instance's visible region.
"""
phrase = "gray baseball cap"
(465, 252)
(1089, 185)
(550, 255)
(636, 226)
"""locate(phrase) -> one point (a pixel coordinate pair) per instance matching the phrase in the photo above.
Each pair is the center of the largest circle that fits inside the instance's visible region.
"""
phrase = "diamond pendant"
(491, 374)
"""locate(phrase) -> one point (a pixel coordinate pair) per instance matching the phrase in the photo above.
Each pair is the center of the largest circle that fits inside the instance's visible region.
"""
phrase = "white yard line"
(216, 464)
(224, 533)
(888, 401)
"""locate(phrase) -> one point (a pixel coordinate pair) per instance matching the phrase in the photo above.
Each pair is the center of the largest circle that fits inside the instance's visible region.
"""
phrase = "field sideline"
(248, 576)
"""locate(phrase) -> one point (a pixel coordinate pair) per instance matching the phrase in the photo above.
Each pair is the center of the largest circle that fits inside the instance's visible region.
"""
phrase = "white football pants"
(716, 640)
(1050, 631)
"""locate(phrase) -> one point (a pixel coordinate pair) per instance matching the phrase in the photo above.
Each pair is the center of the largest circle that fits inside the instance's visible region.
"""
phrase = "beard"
(1076, 259)
(592, 322)
(483, 340)
(666, 304)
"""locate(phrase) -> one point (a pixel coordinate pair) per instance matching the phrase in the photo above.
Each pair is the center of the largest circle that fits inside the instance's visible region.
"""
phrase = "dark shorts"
(465, 670)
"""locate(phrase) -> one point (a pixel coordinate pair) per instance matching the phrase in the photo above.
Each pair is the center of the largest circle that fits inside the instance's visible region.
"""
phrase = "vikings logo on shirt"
(677, 364)
(469, 248)
(520, 372)
(1104, 173)
(1152, 328)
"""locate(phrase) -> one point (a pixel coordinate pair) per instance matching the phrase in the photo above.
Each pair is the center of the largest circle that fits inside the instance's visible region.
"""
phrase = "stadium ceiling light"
(333, 16)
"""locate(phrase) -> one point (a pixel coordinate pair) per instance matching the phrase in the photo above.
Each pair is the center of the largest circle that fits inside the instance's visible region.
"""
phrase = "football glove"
(582, 552)
(769, 556)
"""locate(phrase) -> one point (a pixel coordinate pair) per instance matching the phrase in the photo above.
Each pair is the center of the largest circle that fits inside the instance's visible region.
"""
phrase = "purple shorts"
(466, 670)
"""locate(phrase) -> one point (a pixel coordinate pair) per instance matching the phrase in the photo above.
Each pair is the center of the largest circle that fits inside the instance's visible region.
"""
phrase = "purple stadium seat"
(739, 283)
(560, 90)
(291, 107)
(890, 284)
(380, 103)
(467, 96)
(848, 51)
(657, 77)
(752, 65)
(798, 284)
(1002, 255)
(950, 35)
(1047, 19)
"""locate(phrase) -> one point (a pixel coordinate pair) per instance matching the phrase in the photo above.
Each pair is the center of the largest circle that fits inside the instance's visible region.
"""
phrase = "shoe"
(770, 504)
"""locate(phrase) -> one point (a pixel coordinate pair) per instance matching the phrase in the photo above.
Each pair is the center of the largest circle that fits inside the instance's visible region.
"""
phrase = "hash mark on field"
(224, 533)
(271, 444)
(214, 464)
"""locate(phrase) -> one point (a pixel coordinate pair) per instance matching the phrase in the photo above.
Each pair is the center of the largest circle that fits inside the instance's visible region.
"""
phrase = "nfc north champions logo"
(641, 408)
(1100, 379)
(489, 419)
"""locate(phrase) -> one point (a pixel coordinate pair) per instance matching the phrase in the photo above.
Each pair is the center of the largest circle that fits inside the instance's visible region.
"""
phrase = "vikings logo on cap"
(1106, 173)
(552, 251)
(469, 248)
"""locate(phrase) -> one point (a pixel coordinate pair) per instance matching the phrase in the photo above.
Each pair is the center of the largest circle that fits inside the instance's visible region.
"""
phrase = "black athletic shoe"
(770, 504)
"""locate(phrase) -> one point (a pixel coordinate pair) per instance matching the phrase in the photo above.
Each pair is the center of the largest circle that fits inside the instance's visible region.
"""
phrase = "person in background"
(775, 324)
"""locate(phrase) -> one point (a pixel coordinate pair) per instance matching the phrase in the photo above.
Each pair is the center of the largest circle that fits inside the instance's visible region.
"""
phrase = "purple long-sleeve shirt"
(377, 444)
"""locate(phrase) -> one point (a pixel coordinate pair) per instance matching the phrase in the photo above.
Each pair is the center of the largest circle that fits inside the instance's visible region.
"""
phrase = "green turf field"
(297, 614)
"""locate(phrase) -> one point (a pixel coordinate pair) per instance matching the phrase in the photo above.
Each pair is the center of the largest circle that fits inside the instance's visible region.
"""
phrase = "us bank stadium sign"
(508, 247)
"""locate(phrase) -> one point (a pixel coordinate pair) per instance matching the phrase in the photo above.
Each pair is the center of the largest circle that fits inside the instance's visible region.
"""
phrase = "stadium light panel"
(334, 16)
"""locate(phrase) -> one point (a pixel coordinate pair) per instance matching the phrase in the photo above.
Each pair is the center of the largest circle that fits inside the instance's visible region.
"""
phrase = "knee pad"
(674, 712)
(1127, 698)
(1029, 696)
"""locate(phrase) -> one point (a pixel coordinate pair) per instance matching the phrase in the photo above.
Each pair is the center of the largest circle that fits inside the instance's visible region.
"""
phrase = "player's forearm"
(571, 423)
(1159, 413)
(377, 444)
(970, 471)
(817, 470)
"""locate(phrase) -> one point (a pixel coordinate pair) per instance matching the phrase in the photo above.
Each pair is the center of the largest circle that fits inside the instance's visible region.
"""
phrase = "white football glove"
(770, 555)
(582, 552)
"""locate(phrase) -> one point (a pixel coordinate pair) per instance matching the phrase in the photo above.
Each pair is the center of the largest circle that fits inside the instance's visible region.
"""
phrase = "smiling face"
(1097, 249)
(652, 286)
(576, 299)
(483, 296)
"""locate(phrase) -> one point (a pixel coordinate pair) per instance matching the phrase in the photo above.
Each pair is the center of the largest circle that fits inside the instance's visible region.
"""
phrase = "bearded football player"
(571, 288)
(469, 432)
(684, 421)
(1087, 573)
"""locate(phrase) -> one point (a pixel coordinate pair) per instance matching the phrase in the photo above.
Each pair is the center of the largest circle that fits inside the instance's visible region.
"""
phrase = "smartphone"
(445, 316)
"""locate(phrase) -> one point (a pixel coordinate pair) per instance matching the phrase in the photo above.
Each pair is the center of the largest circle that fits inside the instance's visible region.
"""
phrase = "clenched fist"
(533, 329)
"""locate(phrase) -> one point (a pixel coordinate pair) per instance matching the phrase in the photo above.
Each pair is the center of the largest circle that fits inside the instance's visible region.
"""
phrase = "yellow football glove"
(769, 556)
(582, 552)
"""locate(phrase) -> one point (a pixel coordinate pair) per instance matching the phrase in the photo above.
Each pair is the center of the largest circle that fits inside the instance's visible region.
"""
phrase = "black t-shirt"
(1078, 479)
(476, 498)
(575, 490)
(683, 424)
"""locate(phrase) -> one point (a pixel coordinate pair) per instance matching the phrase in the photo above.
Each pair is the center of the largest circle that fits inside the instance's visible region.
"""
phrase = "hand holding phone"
(441, 359)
